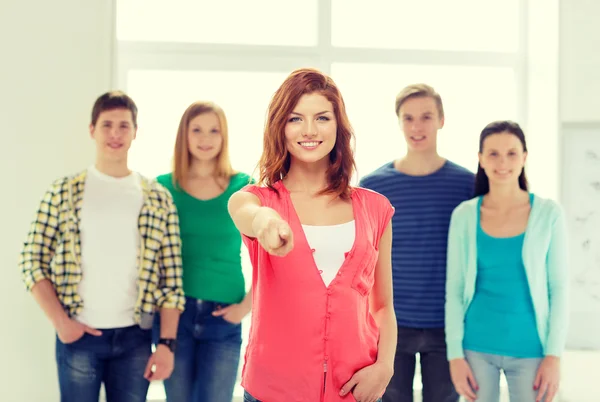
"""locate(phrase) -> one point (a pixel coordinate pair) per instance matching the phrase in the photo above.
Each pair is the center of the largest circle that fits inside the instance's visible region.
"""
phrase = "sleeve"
(456, 261)
(557, 262)
(170, 263)
(40, 244)
(386, 212)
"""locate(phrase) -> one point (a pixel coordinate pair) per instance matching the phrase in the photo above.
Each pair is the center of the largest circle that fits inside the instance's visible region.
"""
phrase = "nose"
(311, 129)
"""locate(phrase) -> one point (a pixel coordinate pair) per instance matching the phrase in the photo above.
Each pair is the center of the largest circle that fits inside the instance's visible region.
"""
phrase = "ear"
(442, 121)
(134, 132)
(480, 157)
(524, 158)
(92, 130)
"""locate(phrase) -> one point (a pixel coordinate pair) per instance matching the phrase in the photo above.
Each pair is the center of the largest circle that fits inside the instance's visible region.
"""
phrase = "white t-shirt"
(330, 245)
(109, 247)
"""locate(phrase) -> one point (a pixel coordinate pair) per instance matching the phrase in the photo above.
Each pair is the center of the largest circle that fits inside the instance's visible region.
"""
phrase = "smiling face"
(204, 137)
(113, 133)
(420, 121)
(311, 129)
(502, 158)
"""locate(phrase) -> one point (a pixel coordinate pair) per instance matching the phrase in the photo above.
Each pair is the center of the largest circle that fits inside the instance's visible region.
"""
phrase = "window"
(459, 25)
(258, 22)
(472, 97)
(242, 95)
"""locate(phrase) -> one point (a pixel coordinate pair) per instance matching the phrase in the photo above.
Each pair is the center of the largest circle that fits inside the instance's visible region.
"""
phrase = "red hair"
(275, 160)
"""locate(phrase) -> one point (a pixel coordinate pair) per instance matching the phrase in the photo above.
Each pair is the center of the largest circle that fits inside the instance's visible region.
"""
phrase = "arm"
(455, 284)
(262, 223)
(382, 303)
(38, 249)
(171, 300)
(170, 297)
(558, 287)
(244, 208)
(36, 255)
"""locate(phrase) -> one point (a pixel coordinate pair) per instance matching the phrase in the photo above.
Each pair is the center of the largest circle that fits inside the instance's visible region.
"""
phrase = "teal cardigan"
(546, 265)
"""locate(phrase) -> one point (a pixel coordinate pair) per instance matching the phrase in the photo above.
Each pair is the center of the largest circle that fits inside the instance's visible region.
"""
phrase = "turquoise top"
(501, 318)
(544, 257)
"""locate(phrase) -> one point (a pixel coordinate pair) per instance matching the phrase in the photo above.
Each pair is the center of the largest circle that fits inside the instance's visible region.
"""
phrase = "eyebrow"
(320, 113)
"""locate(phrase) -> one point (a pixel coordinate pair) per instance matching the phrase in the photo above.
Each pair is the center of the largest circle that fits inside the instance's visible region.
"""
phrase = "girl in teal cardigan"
(507, 280)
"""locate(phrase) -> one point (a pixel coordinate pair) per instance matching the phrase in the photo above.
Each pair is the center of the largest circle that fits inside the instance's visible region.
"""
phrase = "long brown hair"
(182, 156)
(275, 160)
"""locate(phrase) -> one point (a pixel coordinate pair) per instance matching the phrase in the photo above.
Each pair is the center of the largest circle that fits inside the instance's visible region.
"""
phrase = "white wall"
(580, 129)
(56, 59)
(580, 60)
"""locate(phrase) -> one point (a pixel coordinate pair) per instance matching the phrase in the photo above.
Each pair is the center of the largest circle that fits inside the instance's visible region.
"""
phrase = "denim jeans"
(117, 358)
(250, 398)
(430, 344)
(207, 355)
(520, 375)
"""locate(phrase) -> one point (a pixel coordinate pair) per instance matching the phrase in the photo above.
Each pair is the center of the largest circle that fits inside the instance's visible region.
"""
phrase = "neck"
(505, 195)
(307, 178)
(421, 163)
(202, 169)
(113, 168)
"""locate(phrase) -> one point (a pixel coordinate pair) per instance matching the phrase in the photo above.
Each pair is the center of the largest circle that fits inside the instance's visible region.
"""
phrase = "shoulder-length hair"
(275, 160)
(182, 156)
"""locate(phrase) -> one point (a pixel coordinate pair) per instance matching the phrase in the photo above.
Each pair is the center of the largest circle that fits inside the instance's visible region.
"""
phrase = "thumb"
(471, 379)
(348, 386)
(92, 331)
(221, 311)
(538, 380)
(284, 231)
(148, 370)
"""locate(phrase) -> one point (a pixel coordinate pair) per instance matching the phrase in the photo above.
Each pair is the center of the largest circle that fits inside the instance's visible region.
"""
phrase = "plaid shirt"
(53, 248)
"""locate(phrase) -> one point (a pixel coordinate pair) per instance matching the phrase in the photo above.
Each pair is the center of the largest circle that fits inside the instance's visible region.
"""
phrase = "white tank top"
(330, 245)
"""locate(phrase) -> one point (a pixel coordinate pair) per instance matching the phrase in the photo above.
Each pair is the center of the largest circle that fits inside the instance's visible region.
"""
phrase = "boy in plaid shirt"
(103, 254)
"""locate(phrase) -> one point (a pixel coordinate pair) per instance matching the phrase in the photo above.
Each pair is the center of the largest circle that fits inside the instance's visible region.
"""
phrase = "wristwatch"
(168, 342)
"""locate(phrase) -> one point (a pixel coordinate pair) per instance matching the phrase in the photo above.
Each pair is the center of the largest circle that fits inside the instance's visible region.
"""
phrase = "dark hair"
(482, 183)
(114, 100)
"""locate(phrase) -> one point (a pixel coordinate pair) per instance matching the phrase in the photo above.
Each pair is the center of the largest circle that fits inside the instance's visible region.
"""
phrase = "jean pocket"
(364, 277)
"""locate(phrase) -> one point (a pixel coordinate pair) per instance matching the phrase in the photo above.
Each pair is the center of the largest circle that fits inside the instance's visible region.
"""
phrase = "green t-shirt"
(210, 243)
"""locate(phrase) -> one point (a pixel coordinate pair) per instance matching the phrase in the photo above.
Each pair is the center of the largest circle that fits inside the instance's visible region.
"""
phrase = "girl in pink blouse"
(323, 323)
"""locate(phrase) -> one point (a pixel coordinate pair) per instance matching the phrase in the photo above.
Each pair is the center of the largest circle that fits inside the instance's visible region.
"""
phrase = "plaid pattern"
(53, 247)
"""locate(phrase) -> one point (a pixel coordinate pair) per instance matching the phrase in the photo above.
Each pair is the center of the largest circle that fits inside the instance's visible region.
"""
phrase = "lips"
(418, 138)
(114, 145)
(205, 148)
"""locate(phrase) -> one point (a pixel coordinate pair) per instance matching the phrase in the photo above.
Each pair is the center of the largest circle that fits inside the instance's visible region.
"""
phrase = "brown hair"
(419, 91)
(275, 160)
(114, 100)
(182, 156)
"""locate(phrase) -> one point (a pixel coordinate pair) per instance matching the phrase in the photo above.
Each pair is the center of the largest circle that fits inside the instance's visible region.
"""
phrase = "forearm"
(45, 295)
(388, 335)
(249, 219)
(169, 319)
(247, 301)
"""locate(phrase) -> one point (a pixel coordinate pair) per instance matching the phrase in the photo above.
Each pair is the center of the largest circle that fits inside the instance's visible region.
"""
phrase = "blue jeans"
(430, 344)
(117, 358)
(520, 376)
(250, 398)
(207, 355)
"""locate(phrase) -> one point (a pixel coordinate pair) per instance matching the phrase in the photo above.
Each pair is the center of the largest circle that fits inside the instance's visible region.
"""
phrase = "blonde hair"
(419, 91)
(183, 157)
